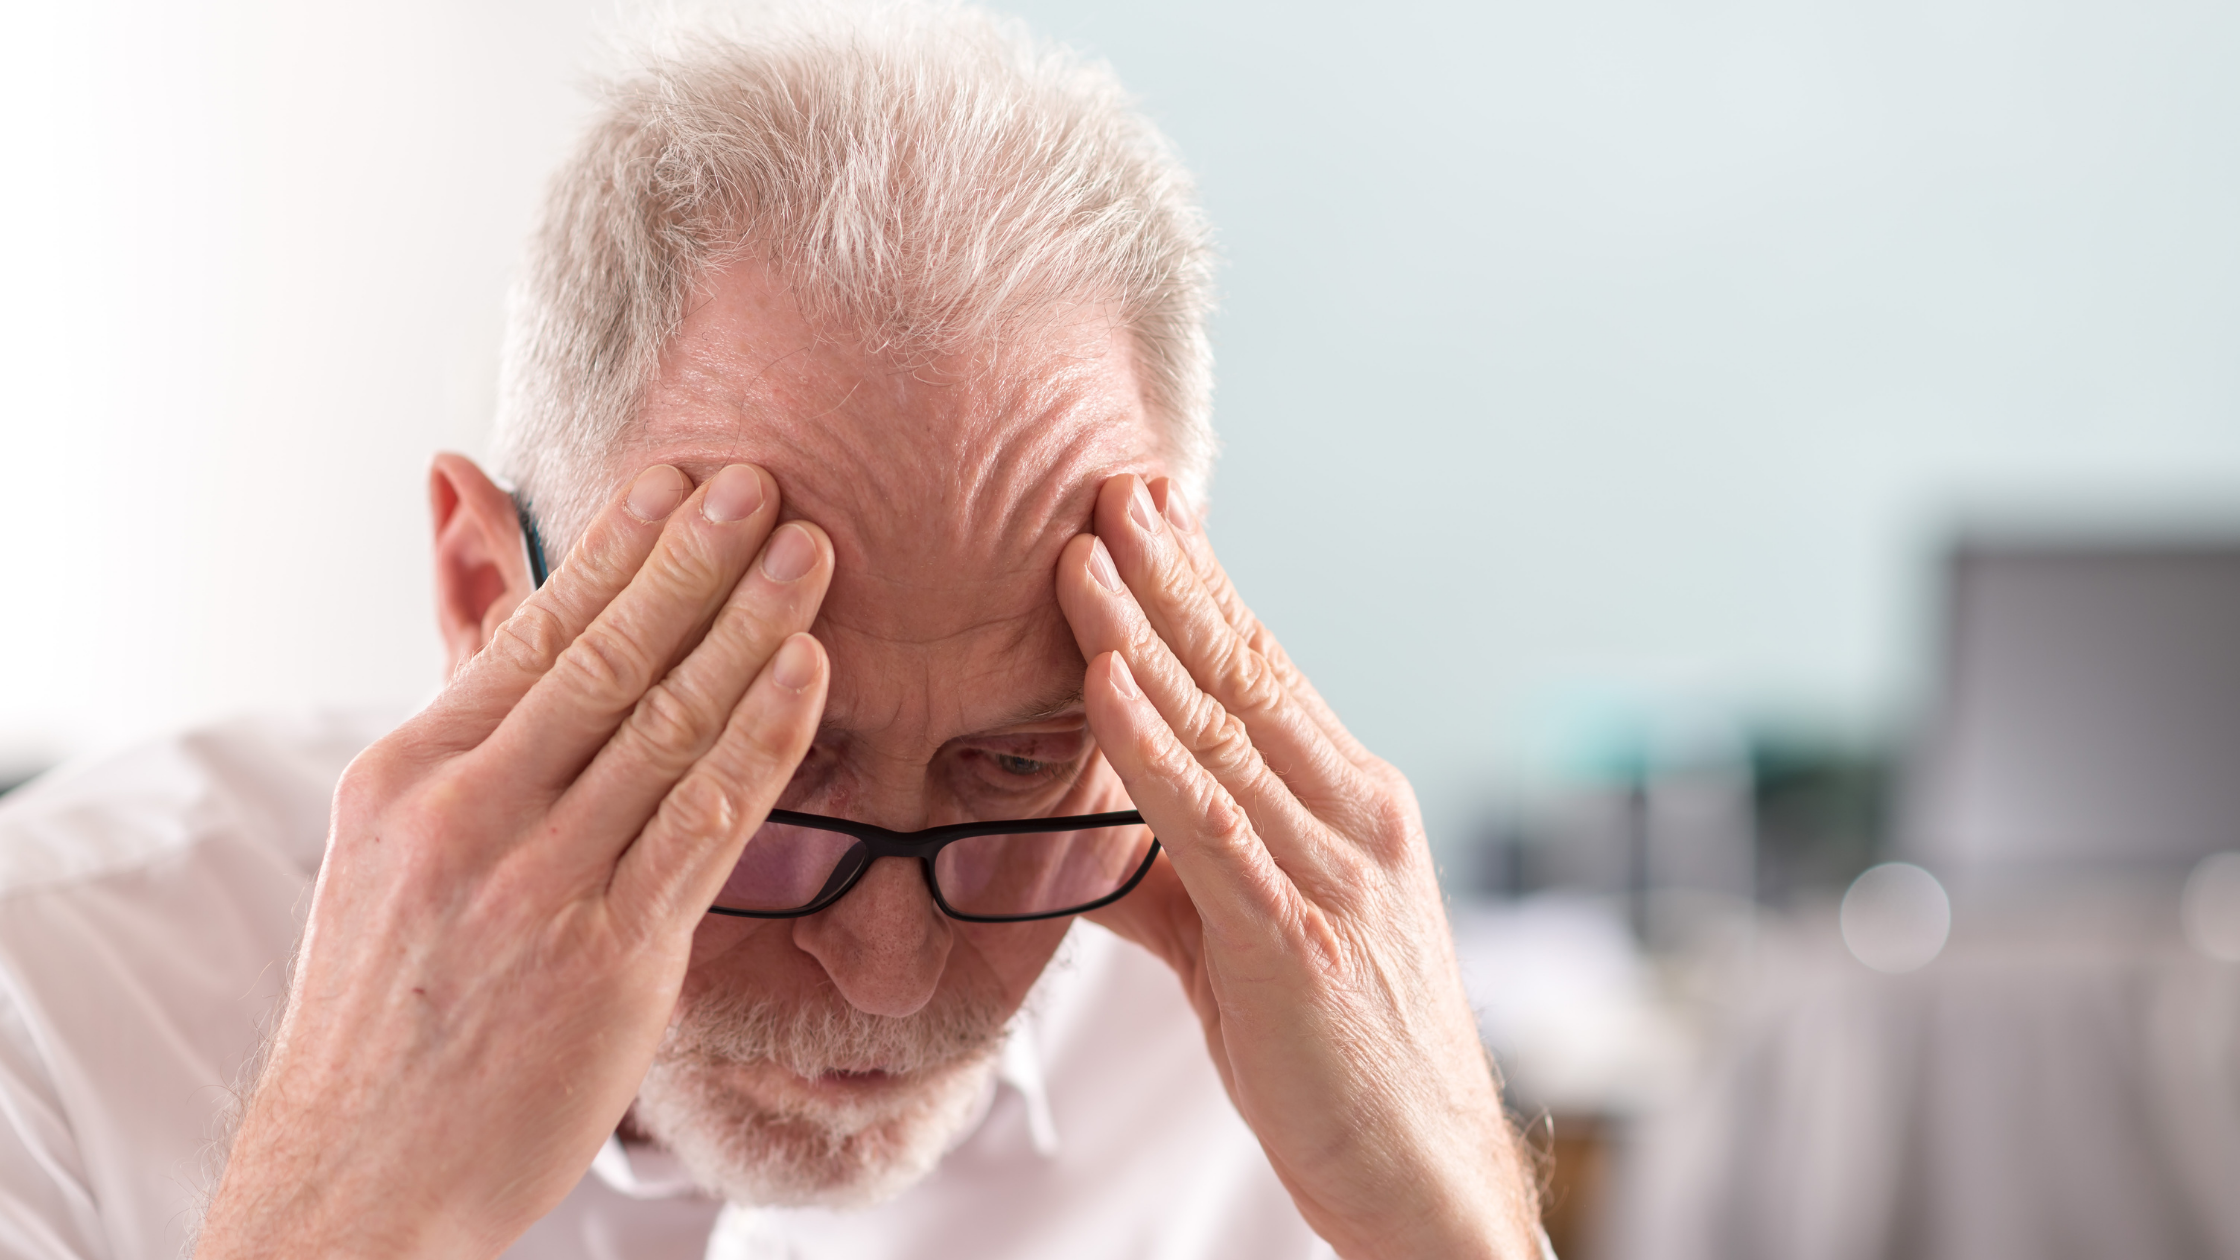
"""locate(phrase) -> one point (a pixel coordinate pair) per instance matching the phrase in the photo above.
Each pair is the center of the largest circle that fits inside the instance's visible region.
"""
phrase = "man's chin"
(759, 1133)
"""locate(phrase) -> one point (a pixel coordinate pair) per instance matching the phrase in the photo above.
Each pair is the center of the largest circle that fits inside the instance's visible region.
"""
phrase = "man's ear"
(482, 570)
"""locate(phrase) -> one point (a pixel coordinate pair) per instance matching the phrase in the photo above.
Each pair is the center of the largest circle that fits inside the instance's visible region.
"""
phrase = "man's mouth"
(836, 1082)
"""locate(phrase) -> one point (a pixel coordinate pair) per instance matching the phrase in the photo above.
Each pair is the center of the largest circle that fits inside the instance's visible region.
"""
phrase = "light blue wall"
(1628, 356)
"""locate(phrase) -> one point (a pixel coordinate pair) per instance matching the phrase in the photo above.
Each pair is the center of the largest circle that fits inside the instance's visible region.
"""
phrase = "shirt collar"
(1021, 1068)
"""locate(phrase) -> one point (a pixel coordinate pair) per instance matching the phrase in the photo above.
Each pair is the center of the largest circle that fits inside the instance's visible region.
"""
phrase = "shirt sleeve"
(47, 1211)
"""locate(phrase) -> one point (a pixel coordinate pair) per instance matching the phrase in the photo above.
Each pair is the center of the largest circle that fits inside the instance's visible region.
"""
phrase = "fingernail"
(1100, 566)
(1179, 514)
(789, 555)
(795, 666)
(733, 494)
(656, 493)
(1140, 508)
(1123, 678)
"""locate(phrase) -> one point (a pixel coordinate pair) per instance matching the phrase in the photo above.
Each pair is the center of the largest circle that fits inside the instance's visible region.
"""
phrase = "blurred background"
(1768, 472)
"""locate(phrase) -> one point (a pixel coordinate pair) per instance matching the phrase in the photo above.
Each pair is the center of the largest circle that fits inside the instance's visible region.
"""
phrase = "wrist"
(1475, 1209)
(294, 1186)
(1482, 1236)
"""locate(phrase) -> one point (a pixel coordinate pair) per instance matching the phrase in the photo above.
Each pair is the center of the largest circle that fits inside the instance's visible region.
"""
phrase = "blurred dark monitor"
(2089, 714)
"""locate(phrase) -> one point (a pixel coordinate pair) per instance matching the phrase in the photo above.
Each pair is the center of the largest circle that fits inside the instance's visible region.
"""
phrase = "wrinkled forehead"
(949, 484)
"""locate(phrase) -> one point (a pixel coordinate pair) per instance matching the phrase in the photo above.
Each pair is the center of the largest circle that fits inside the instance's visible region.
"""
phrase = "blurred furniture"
(2088, 717)
(1569, 1007)
(1574, 1192)
(2064, 1079)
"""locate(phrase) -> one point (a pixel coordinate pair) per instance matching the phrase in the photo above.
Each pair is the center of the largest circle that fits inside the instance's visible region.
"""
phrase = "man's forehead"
(948, 484)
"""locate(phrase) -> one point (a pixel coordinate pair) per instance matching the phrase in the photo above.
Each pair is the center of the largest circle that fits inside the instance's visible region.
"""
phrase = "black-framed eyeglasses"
(1008, 871)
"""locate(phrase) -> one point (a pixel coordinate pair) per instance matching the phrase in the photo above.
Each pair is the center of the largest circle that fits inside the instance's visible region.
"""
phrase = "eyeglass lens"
(789, 867)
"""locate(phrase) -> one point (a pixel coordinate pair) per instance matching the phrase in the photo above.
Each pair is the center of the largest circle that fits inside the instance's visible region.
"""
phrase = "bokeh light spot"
(1896, 917)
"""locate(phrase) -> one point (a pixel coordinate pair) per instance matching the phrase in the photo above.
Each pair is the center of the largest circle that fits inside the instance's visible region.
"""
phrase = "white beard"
(734, 1094)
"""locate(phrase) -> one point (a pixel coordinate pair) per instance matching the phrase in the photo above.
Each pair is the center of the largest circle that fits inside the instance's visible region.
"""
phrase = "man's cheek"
(1013, 955)
(722, 942)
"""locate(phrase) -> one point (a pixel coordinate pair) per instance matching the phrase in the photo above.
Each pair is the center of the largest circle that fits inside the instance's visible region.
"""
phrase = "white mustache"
(828, 1035)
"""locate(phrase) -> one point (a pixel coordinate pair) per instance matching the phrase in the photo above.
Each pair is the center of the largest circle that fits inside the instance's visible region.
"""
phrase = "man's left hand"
(1299, 907)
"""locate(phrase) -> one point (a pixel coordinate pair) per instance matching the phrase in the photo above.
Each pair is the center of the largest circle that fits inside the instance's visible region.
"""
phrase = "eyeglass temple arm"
(532, 540)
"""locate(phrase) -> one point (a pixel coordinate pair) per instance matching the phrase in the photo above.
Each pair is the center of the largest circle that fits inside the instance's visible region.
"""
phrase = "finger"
(523, 648)
(1183, 524)
(1106, 618)
(598, 679)
(680, 717)
(1182, 614)
(669, 877)
(1157, 915)
(1246, 904)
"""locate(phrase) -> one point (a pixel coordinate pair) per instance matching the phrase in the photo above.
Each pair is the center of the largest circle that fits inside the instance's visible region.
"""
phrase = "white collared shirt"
(148, 907)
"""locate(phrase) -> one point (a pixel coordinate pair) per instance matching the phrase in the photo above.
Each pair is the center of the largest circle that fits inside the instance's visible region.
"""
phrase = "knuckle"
(1318, 941)
(1388, 818)
(1224, 745)
(704, 805)
(1200, 722)
(380, 800)
(759, 747)
(532, 638)
(1226, 825)
(1246, 681)
(1168, 760)
(358, 814)
(1221, 824)
(686, 566)
(668, 722)
(371, 779)
(1263, 641)
(741, 620)
(1390, 823)
(605, 667)
(1172, 582)
(767, 744)
(604, 558)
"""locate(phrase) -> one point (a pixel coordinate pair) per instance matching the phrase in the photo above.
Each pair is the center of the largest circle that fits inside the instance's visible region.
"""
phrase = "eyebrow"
(1027, 715)
(1042, 710)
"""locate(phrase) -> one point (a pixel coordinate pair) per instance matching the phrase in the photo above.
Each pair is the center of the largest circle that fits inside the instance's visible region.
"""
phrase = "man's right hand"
(507, 904)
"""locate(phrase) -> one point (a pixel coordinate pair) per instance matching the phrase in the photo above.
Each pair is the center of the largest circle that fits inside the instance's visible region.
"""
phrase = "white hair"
(928, 175)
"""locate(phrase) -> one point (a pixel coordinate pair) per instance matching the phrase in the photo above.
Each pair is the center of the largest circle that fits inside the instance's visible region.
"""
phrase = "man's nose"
(885, 944)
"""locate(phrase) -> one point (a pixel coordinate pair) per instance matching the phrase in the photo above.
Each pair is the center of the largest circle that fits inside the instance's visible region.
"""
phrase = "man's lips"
(850, 1082)
(774, 1083)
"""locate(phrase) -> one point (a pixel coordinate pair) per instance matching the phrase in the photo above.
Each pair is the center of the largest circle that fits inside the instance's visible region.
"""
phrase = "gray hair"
(928, 175)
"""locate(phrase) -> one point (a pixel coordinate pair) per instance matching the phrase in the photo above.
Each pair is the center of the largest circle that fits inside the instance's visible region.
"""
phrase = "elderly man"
(859, 375)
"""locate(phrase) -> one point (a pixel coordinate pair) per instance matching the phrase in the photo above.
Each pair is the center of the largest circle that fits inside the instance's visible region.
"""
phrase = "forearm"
(1470, 1193)
(311, 1173)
